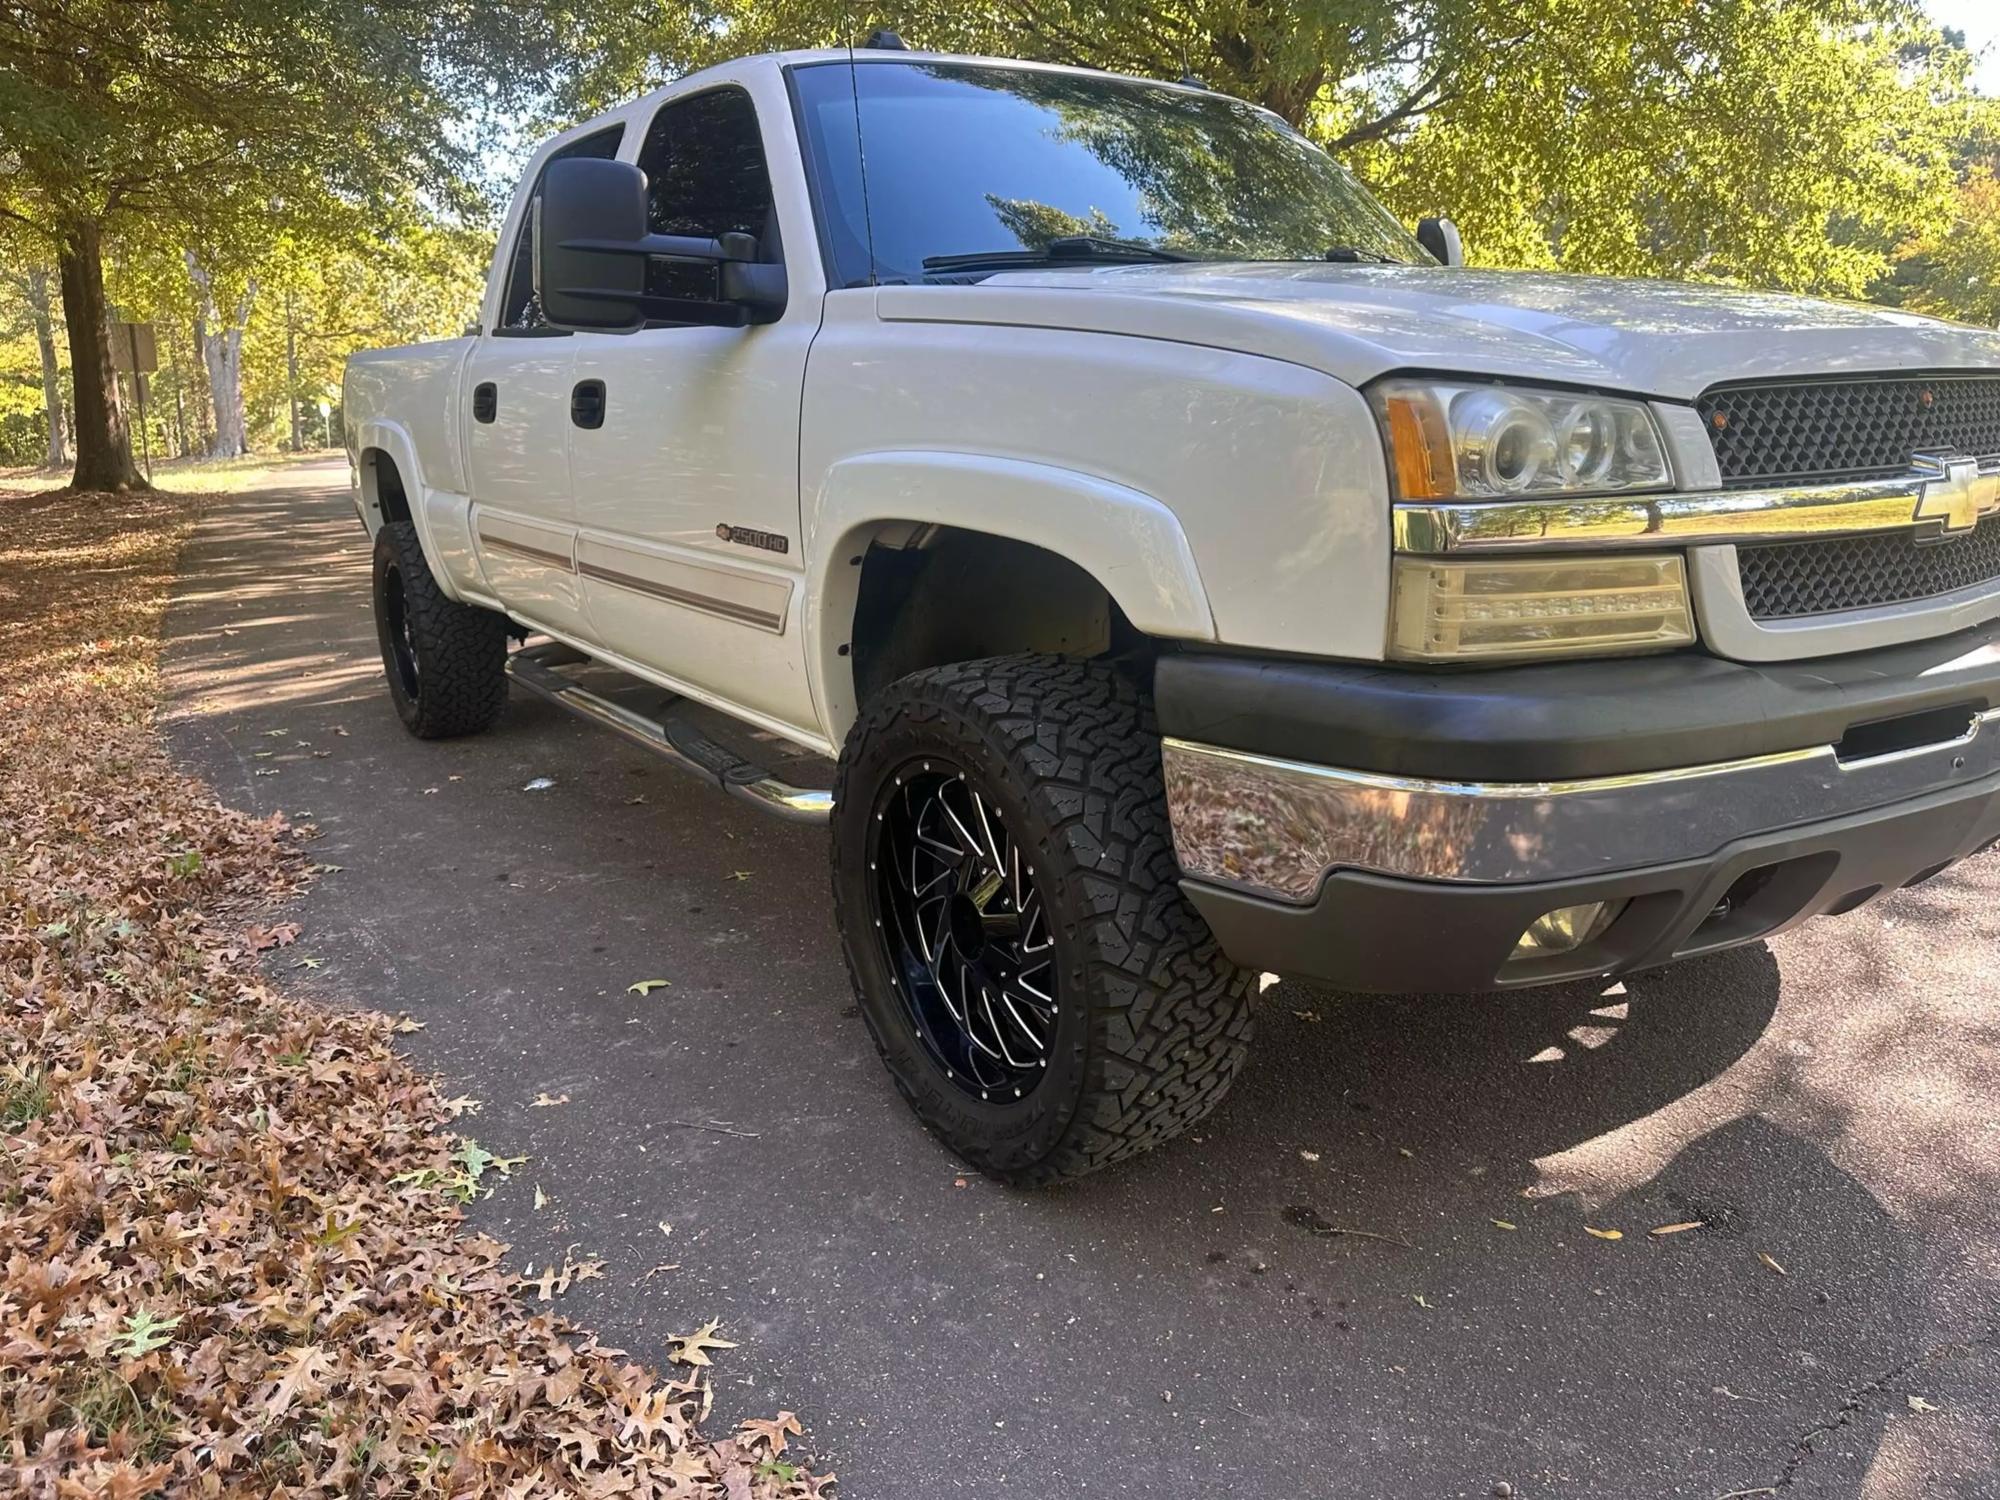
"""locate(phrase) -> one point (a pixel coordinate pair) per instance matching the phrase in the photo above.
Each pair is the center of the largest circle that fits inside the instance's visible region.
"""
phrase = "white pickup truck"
(1193, 571)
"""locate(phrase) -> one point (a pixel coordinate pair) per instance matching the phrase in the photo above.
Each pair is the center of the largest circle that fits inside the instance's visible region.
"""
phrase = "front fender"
(1130, 543)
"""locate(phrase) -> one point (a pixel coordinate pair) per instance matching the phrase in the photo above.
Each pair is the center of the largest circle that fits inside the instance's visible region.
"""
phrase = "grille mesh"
(1784, 580)
(1820, 430)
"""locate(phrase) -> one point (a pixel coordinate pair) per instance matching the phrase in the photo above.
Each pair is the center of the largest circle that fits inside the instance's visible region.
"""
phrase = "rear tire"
(446, 662)
(1103, 1018)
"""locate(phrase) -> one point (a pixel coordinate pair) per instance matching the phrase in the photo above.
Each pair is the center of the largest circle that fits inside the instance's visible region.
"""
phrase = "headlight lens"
(1518, 609)
(1449, 440)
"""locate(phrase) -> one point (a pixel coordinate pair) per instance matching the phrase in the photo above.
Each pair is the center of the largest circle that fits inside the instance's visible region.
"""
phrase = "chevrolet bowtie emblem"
(1954, 495)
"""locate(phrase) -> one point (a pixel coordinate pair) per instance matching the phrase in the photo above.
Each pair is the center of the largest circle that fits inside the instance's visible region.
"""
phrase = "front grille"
(1806, 431)
(1784, 580)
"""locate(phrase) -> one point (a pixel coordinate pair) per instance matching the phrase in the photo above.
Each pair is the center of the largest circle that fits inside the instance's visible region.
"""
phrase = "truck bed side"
(405, 403)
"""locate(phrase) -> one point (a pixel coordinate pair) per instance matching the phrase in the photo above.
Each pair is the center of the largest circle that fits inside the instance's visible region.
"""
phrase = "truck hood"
(1355, 322)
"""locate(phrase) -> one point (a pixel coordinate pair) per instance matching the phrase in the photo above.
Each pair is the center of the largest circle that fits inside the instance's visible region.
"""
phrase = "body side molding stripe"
(522, 549)
(745, 614)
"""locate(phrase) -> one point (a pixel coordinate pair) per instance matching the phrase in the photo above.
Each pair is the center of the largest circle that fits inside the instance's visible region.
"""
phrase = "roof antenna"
(1188, 77)
(861, 156)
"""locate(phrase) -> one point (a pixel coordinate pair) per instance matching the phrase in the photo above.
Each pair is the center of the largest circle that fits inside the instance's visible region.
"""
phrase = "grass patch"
(188, 476)
(24, 1096)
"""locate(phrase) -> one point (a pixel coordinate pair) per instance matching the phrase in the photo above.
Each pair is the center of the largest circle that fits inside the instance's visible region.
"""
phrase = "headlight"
(1518, 609)
(1448, 440)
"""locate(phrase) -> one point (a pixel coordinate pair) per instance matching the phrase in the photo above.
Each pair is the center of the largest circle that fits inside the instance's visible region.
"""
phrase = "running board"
(537, 668)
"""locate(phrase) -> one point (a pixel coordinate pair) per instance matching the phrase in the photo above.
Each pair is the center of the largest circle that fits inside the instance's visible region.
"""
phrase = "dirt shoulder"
(232, 1250)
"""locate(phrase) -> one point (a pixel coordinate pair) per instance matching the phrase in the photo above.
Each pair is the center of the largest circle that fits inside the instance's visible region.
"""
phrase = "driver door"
(686, 488)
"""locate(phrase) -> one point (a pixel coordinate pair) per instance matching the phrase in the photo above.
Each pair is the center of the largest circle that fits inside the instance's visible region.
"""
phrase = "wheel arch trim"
(1130, 544)
(429, 509)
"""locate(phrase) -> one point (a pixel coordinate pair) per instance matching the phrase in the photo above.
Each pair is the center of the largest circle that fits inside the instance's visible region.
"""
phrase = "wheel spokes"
(986, 827)
(977, 964)
(969, 845)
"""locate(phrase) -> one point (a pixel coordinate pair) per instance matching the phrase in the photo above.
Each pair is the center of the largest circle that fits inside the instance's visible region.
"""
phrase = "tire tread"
(1170, 1016)
(461, 648)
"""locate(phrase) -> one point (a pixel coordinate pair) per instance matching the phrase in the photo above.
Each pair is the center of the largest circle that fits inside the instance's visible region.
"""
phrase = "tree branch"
(1425, 97)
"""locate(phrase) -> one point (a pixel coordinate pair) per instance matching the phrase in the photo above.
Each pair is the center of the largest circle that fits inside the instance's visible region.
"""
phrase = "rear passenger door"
(686, 486)
(516, 392)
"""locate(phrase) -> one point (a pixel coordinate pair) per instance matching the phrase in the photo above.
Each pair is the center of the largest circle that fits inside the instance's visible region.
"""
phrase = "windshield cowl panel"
(972, 168)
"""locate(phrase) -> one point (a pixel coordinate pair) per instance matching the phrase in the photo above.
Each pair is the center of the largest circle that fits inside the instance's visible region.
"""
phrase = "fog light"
(1566, 929)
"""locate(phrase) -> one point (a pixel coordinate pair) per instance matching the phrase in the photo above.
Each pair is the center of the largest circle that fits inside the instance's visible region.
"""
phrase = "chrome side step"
(538, 669)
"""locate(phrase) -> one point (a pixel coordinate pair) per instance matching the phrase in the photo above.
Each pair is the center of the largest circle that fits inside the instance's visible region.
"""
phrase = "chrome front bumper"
(1278, 828)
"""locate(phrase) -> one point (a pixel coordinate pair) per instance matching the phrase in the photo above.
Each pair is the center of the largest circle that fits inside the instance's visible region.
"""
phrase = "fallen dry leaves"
(232, 1261)
(692, 1348)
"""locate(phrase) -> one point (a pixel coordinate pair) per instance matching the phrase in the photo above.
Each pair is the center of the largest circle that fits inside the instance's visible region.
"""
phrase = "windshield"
(963, 160)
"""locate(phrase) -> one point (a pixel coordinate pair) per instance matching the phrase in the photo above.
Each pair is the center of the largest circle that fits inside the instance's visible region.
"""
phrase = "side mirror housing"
(587, 200)
(1440, 237)
(590, 248)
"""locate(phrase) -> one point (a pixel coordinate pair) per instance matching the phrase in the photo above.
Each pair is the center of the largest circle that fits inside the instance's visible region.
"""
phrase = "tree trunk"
(103, 443)
(222, 357)
(45, 341)
(204, 411)
(180, 404)
(292, 371)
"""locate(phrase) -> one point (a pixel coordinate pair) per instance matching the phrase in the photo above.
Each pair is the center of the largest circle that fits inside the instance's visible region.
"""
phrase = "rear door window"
(521, 309)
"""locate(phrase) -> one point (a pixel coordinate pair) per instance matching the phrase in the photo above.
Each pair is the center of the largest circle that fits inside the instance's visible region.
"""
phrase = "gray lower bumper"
(1277, 829)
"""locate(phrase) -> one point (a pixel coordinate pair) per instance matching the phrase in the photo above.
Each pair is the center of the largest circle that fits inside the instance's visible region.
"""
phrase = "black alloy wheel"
(970, 949)
(399, 651)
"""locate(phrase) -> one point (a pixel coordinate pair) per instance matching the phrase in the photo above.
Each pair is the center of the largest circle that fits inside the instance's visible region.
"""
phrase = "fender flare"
(1131, 544)
(394, 439)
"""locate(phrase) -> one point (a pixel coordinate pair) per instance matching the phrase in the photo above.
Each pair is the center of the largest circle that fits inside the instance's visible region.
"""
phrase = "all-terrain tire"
(446, 662)
(1153, 1020)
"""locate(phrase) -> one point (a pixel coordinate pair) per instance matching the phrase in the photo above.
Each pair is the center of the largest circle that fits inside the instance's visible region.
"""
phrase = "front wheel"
(446, 662)
(1004, 878)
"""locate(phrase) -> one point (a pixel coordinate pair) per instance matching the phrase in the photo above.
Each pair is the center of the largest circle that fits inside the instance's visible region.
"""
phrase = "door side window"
(705, 174)
(521, 309)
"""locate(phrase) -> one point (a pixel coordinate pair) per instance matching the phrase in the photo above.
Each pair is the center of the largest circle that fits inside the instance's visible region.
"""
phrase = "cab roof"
(738, 68)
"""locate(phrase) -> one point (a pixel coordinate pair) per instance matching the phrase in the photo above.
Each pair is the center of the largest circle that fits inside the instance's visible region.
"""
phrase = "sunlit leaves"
(141, 1333)
(1779, 143)
(692, 1348)
(1953, 269)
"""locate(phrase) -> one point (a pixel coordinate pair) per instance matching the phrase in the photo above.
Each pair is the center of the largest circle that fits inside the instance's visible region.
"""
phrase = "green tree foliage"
(1951, 269)
(1786, 143)
(30, 331)
(1368, 63)
(1954, 270)
(317, 307)
(219, 122)
(24, 428)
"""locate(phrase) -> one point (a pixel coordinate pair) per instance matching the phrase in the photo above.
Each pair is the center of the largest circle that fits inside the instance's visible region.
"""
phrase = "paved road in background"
(1184, 1325)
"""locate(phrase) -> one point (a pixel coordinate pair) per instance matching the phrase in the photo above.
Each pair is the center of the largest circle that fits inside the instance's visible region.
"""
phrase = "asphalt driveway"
(1827, 1108)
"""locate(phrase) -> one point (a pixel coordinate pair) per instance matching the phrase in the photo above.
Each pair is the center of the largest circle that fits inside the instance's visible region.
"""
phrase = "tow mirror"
(1440, 237)
(590, 248)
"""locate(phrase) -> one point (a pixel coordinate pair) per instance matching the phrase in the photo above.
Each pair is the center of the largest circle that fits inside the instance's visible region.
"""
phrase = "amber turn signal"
(1419, 446)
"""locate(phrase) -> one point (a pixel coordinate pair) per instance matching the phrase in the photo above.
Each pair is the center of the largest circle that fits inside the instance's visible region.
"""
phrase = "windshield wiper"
(1352, 253)
(1091, 249)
